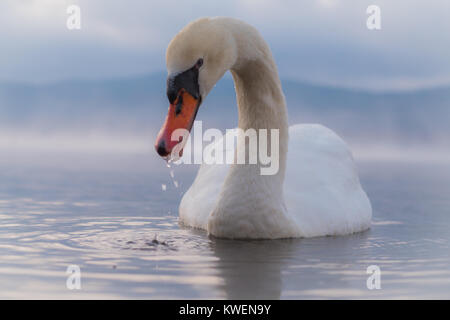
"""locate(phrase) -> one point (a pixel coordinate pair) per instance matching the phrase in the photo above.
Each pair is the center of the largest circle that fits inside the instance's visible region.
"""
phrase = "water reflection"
(252, 269)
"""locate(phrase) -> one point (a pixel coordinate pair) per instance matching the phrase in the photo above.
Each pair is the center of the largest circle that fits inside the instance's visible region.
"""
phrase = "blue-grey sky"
(320, 41)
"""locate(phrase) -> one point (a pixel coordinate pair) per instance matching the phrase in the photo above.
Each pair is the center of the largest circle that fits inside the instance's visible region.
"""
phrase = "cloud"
(324, 41)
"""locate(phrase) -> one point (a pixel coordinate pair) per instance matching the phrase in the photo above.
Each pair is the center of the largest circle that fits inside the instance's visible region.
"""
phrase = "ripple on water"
(162, 235)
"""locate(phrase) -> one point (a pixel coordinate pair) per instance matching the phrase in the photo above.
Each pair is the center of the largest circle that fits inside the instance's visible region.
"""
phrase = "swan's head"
(196, 58)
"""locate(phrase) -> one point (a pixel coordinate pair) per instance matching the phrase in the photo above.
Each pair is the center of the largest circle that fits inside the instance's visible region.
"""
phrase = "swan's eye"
(199, 63)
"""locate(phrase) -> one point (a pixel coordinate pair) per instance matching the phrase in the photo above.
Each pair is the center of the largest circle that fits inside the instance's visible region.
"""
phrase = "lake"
(110, 216)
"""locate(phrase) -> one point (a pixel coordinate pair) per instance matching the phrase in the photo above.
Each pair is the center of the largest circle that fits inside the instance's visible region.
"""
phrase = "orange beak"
(181, 115)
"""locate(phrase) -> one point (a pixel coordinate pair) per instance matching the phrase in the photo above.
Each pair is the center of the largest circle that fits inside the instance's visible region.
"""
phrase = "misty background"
(101, 89)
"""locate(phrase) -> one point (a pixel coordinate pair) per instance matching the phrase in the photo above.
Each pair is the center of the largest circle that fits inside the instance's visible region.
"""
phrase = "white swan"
(321, 194)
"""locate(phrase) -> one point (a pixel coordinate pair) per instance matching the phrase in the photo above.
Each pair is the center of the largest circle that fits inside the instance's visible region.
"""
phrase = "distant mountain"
(139, 104)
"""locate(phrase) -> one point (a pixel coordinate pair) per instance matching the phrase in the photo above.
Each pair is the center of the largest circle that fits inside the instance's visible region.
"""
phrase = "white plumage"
(316, 191)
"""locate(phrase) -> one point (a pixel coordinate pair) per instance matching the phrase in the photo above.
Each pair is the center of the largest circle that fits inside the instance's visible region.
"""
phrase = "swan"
(316, 191)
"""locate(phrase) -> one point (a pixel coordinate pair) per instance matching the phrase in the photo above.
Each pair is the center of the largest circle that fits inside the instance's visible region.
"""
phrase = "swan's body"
(316, 191)
(322, 192)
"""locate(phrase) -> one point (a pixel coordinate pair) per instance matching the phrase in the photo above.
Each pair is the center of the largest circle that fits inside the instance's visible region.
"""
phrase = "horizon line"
(283, 79)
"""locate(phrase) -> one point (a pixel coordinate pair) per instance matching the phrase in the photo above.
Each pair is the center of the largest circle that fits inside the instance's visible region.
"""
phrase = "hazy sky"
(321, 41)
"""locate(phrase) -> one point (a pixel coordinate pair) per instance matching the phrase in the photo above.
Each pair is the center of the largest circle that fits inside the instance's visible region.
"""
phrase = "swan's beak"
(181, 115)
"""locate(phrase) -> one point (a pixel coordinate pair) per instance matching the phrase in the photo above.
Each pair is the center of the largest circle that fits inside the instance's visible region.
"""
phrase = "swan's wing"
(322, 190)
(200, 199)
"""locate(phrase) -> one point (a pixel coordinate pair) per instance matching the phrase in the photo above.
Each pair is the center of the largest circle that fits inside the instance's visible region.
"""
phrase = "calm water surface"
(112, 219)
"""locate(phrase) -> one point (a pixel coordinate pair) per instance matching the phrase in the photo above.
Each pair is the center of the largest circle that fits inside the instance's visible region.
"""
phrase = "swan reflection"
(252, 269)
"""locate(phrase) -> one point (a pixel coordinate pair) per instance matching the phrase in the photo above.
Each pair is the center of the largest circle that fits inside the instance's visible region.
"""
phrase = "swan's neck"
(247, 197)
(260, 99)
(261, 104)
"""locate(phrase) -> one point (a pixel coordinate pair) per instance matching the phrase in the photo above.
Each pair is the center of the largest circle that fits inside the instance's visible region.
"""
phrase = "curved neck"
(249, 199)
(260, 99)
(261, 105)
